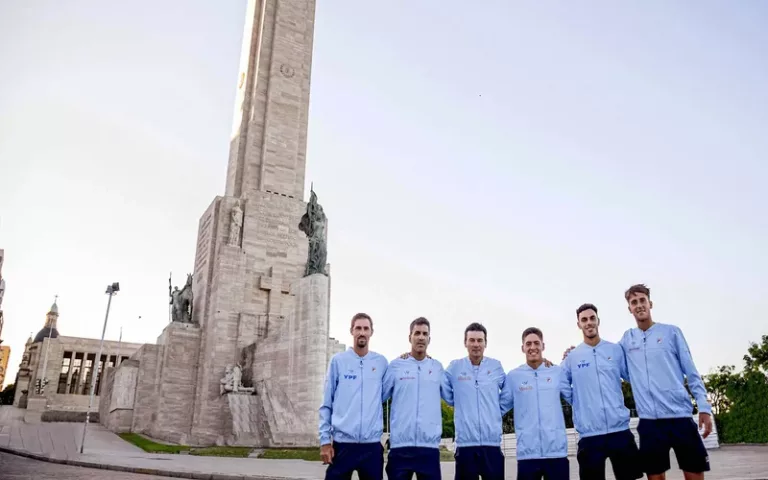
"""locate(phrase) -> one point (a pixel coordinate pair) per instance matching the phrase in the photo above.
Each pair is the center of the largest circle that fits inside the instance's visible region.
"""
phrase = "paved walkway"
(60, 443)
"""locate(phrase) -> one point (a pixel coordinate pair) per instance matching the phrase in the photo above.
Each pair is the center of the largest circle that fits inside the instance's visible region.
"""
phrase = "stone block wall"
(118, 396)
(175, 385)
(145, 402)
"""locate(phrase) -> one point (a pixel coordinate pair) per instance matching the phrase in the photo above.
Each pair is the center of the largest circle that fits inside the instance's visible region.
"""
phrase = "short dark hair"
(360, 316)
(533, 330)
(420, 321)
(585, 307)
(639, 288)
(476, 327)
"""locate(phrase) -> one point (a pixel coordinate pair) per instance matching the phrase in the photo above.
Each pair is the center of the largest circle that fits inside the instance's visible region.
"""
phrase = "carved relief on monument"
(273, 221)
(203, 244)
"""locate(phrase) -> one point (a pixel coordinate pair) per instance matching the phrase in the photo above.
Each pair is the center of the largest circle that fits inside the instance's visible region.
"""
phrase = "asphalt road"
(20, 468)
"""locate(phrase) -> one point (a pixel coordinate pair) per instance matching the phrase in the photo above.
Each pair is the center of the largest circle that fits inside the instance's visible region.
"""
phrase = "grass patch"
(309, 454)
(241, 452)
(446, 455)
(150, 446)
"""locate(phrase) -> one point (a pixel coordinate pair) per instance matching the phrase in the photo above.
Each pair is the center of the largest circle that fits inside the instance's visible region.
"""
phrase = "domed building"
(55, 371)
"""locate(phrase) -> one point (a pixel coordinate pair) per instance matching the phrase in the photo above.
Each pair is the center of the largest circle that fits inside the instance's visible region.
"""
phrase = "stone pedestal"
(246, 414)
(175, 382)
(288, 367)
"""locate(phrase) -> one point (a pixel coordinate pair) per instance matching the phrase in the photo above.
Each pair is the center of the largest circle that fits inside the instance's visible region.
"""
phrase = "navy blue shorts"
(474, 462)
(544, 468)
(404, 462)
(366, 458)
(620, 447)
(679, 434)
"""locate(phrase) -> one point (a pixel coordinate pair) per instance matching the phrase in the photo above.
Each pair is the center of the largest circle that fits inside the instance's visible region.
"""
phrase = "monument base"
(288, 368)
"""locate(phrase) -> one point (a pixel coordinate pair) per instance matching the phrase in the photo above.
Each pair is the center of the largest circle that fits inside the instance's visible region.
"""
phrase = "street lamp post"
(111, 291)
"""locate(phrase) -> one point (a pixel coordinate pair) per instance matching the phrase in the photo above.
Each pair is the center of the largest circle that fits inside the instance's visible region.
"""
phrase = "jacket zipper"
(538, 409)
(418, 390)
(648, 376)
(477, 403)
(600, 386)
(360, 434)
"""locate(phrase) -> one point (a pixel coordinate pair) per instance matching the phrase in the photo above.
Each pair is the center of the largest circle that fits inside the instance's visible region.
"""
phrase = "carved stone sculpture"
(235, 225)
(313, 224)
(181, 301)
(232, 381)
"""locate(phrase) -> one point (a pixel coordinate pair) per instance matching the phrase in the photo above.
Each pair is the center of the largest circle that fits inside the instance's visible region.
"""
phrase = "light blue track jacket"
(595, 374)
(659, 360)
(539, 422)
(416, 418)
(474, 392)
(351, 411)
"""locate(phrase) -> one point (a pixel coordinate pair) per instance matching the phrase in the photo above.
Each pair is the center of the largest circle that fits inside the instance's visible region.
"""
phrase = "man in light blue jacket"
(595, 369)
(659, 362)
(351, 416)
(533, 390)
(472, 386)
(413, 380)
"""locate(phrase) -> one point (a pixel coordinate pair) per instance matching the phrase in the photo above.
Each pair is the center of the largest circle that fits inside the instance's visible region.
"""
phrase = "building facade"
(55, 371)
(5, 354)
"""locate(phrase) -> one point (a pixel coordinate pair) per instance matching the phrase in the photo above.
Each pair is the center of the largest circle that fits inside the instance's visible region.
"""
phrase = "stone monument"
(258, 300)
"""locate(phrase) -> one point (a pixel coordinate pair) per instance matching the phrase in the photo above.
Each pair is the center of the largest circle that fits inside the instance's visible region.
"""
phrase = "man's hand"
(547, 363)
(567, 351)
(326, 453)
(705, 420)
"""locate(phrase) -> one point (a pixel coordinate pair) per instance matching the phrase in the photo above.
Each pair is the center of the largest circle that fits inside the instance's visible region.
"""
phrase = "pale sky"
(497, 161)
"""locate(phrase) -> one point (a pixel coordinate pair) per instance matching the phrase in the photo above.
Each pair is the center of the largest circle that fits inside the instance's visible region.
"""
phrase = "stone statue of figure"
(313, 224)
(235, 224)
(233, 381)
(181, 300)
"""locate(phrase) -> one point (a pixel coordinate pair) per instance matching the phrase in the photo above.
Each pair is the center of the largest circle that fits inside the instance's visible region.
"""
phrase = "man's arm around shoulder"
(446, 386)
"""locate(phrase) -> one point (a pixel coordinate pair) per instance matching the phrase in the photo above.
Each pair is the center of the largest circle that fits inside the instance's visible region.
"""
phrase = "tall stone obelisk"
(250, 253)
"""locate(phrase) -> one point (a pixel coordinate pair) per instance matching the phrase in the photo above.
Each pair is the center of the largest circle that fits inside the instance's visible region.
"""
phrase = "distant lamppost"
(111, 291)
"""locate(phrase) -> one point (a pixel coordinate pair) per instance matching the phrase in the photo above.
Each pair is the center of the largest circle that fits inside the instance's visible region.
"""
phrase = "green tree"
(717, 388)
(449, 431)
(746, 421)
(757, 356)
(6, 396)
(629, 399)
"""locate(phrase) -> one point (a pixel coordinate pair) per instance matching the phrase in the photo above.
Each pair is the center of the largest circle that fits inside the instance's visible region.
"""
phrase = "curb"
(141, 470)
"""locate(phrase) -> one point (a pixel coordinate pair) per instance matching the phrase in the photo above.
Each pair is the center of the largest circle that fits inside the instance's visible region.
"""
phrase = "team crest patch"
(609, 358)
(373, 369)
(549, 379)
(489, 372)
(658, 340)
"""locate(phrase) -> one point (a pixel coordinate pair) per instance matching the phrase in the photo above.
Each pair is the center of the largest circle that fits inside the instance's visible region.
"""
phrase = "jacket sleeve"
(689, 369)
(507, 396)
(623, 368)
(326, 409)
(446, 387)
(566, 389)
(389, 383)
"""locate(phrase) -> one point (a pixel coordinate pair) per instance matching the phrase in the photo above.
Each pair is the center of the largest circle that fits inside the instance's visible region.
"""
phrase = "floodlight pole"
(111, 291)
